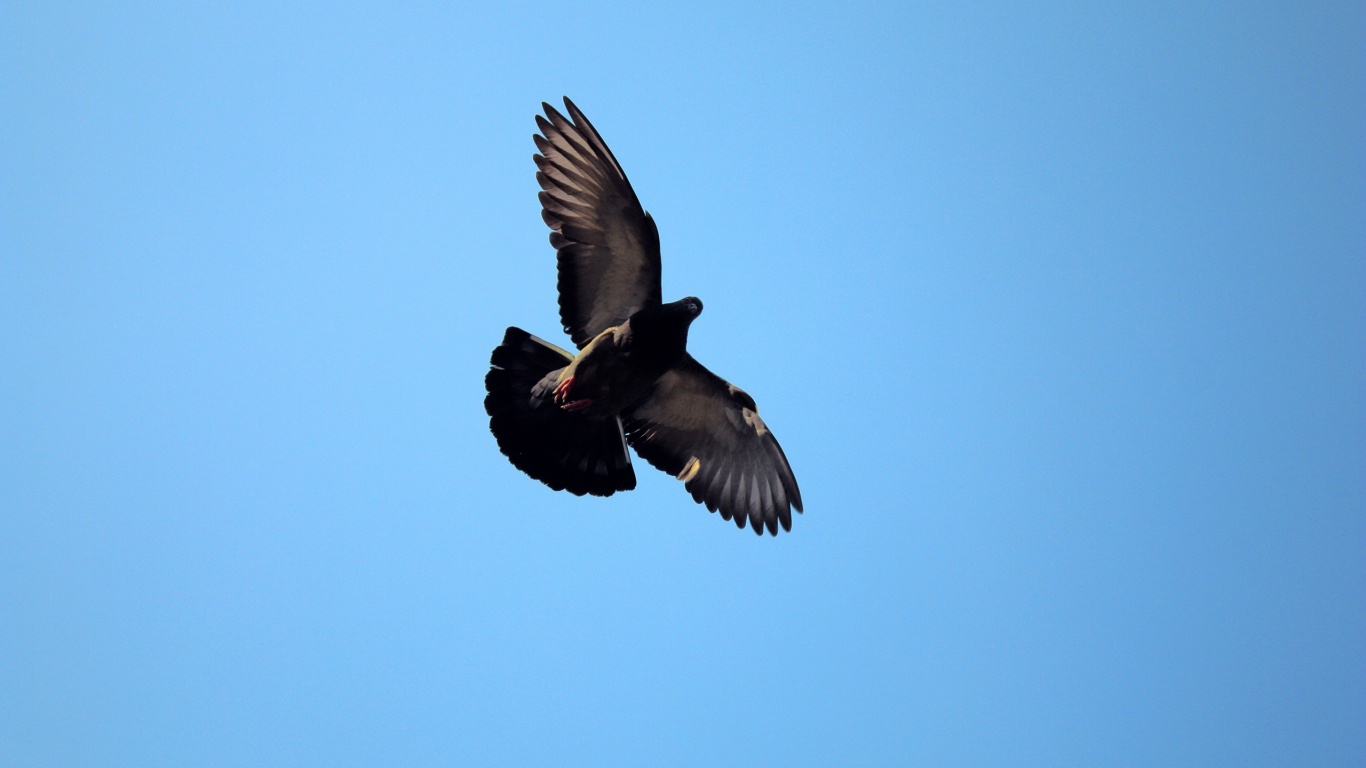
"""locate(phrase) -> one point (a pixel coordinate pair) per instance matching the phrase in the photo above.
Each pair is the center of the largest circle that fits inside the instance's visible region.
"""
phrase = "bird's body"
(566, 419)
(617, 368)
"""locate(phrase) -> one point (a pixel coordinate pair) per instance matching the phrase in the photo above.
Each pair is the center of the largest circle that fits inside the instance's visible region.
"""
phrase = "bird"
(565, 418)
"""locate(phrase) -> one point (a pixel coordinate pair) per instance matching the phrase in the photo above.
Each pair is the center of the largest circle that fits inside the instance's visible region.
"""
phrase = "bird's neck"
(657, 341)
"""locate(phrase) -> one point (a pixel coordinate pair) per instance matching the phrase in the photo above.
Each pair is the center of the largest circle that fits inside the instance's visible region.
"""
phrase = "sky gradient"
(1058, 312)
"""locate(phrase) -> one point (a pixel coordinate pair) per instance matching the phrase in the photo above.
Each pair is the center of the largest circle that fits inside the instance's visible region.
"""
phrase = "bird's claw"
(562, 396)
(562, 390)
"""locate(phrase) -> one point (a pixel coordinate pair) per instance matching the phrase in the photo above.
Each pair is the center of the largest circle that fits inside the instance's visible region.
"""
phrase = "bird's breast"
(614, 382)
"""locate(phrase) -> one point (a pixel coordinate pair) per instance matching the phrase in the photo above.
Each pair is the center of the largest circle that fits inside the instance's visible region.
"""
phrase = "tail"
(566, 451)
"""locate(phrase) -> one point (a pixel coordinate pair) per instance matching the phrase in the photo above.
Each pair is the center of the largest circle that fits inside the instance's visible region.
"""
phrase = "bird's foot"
(576, 405)
(562, 390)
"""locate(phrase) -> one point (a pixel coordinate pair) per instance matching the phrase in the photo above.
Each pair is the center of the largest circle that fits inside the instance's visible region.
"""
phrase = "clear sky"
(1059, 312)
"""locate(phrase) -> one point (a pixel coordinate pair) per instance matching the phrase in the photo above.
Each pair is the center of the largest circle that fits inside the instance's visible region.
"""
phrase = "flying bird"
(566, 419)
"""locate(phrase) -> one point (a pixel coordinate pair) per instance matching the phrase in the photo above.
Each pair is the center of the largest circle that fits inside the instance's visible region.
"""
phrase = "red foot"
(562, 396)
(562, 390)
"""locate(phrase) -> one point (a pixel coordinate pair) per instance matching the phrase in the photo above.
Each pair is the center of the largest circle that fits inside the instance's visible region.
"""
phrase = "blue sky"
(1057, 311)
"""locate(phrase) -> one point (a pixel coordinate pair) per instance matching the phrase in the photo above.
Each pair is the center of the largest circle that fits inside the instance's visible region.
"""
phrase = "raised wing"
(608, 245)
(707, 432)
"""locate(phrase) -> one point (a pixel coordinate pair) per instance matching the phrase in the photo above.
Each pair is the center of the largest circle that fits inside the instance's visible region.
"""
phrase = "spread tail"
(566, 451)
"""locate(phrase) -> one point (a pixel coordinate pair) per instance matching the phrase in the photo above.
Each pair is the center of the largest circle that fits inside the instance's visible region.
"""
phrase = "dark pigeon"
(566, 419)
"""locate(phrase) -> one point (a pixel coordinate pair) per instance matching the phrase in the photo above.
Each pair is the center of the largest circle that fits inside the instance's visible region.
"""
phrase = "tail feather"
(567, 451)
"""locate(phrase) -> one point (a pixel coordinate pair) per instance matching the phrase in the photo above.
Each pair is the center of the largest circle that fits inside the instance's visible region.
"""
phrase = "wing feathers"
(694, 414)
(608, 245)
(593, 137)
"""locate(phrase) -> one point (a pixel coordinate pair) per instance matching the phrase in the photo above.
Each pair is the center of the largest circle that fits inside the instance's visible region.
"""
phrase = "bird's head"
(677, 314)
(681, 313)
(691, 305)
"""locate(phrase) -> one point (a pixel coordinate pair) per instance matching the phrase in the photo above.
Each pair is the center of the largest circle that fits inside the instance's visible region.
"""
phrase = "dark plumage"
(566, 419)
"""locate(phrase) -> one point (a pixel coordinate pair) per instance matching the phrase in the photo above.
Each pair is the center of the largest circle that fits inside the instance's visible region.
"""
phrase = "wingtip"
(575, 113)
(552, 113)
